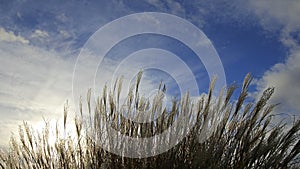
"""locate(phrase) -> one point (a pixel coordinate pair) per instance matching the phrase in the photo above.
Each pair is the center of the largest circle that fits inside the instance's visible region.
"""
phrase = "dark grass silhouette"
(243, 138)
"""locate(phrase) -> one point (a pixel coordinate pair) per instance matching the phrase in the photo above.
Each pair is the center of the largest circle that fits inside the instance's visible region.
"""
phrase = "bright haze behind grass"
(40, 43)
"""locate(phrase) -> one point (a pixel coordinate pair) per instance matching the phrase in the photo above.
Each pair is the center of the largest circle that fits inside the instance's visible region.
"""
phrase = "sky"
(41, 46)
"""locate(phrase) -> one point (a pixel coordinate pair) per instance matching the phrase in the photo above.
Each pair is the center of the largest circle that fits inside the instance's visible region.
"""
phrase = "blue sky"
(40, 42)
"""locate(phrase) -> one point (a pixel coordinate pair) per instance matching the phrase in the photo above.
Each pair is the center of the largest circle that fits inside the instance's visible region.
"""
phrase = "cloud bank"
(282, 16)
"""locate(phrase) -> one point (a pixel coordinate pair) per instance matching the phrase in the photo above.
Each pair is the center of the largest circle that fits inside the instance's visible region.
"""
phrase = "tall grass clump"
(244, 137)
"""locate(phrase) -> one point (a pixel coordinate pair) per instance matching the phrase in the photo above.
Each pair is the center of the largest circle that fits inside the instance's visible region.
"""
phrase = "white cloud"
(9, 36)
(282, 16)
(285, 78)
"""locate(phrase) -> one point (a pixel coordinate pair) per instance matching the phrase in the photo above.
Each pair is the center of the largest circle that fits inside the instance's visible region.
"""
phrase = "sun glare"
(55, 129)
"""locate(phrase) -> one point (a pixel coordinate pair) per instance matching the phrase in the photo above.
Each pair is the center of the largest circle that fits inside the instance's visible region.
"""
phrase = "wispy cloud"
(39, 34)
